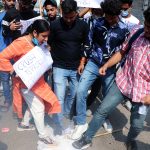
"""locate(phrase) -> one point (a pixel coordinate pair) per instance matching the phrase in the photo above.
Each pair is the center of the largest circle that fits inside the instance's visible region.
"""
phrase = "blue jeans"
(109, 103)
(89, 75)
(62, 77)
(5, 78)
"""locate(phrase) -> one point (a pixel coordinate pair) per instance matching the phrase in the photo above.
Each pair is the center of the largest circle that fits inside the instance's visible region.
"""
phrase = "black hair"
(127, 2)
(69, 6)
(25, 5)
(25, 2)
(33, 3)
(111, 7)
(50, 2)
(147, 15)
(40, 26)
(97, 11)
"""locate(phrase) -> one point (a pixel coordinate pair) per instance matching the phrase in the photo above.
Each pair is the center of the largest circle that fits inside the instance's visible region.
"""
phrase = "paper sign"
(26, 23)
(89, 3)
(33, 65)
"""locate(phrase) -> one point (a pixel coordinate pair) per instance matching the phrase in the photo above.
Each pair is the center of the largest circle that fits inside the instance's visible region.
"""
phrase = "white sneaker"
(78, 131)
(88, 113)
(107, 126)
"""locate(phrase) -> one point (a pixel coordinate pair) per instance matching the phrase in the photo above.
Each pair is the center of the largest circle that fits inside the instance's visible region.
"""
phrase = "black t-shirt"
(67, 43)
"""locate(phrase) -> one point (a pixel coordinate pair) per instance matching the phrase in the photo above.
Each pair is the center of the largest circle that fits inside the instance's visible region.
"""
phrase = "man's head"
(33, 3)
(126, 8)
(69, 11)
(147, 23)
(112, 10)
(97, 12)
(25, 5)
(9, 3)
(51, 9)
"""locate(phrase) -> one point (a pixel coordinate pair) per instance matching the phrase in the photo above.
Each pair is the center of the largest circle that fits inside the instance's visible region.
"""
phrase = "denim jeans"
(61, 79)
(89, 75)
(5, 78)
(109, 103)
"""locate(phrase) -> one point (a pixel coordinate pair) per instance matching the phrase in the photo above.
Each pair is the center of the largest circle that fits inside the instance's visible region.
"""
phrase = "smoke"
(63, 142)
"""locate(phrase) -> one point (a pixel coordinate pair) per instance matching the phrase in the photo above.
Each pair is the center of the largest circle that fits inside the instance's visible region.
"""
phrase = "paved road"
(14, 140)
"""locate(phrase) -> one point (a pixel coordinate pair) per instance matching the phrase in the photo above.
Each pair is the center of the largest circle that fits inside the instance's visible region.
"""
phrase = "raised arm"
(83, 12)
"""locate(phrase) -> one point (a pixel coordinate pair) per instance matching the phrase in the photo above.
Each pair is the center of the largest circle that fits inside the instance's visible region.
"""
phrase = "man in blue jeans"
(4, 42)
(68, 38)
(132, 82)
(106, 36)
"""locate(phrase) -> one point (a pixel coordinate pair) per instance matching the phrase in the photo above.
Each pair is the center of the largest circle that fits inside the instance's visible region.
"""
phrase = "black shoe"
(83, 143)
(131, 145)
(48, 141)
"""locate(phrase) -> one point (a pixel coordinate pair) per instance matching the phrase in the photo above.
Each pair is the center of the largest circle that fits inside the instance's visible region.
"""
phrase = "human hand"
(80, 69)
(146, 100)
(15, 25)
(102, 70)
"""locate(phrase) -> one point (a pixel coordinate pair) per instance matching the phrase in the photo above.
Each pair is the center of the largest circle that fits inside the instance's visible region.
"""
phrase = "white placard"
(33, 65)
(26, 23)
(89, 3)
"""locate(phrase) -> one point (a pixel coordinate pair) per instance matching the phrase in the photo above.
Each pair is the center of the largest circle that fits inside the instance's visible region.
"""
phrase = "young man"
(106, 36)
(67, 39)
(131, 22)
(96, 86)
(51, 8)
(132, 82)
(126, 15)
(11, 22)
(4, 76)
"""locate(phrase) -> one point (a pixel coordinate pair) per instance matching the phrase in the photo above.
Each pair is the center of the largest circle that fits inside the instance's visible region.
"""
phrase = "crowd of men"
(87, 51)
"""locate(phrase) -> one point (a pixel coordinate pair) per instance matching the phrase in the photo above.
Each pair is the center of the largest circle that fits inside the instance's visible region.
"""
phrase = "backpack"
(130, 42)
(133, 38)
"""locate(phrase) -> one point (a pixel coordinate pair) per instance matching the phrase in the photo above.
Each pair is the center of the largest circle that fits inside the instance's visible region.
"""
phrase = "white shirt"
(131, 21)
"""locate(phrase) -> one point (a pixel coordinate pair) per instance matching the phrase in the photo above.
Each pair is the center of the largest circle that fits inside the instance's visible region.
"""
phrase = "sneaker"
(82, 143)
(78, 131)
(48, 141)
(22, 127)
(131, 145)
(107, 126)
(88, 113)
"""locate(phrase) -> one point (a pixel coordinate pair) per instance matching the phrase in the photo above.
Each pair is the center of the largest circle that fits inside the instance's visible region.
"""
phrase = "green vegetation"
(1, 6)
